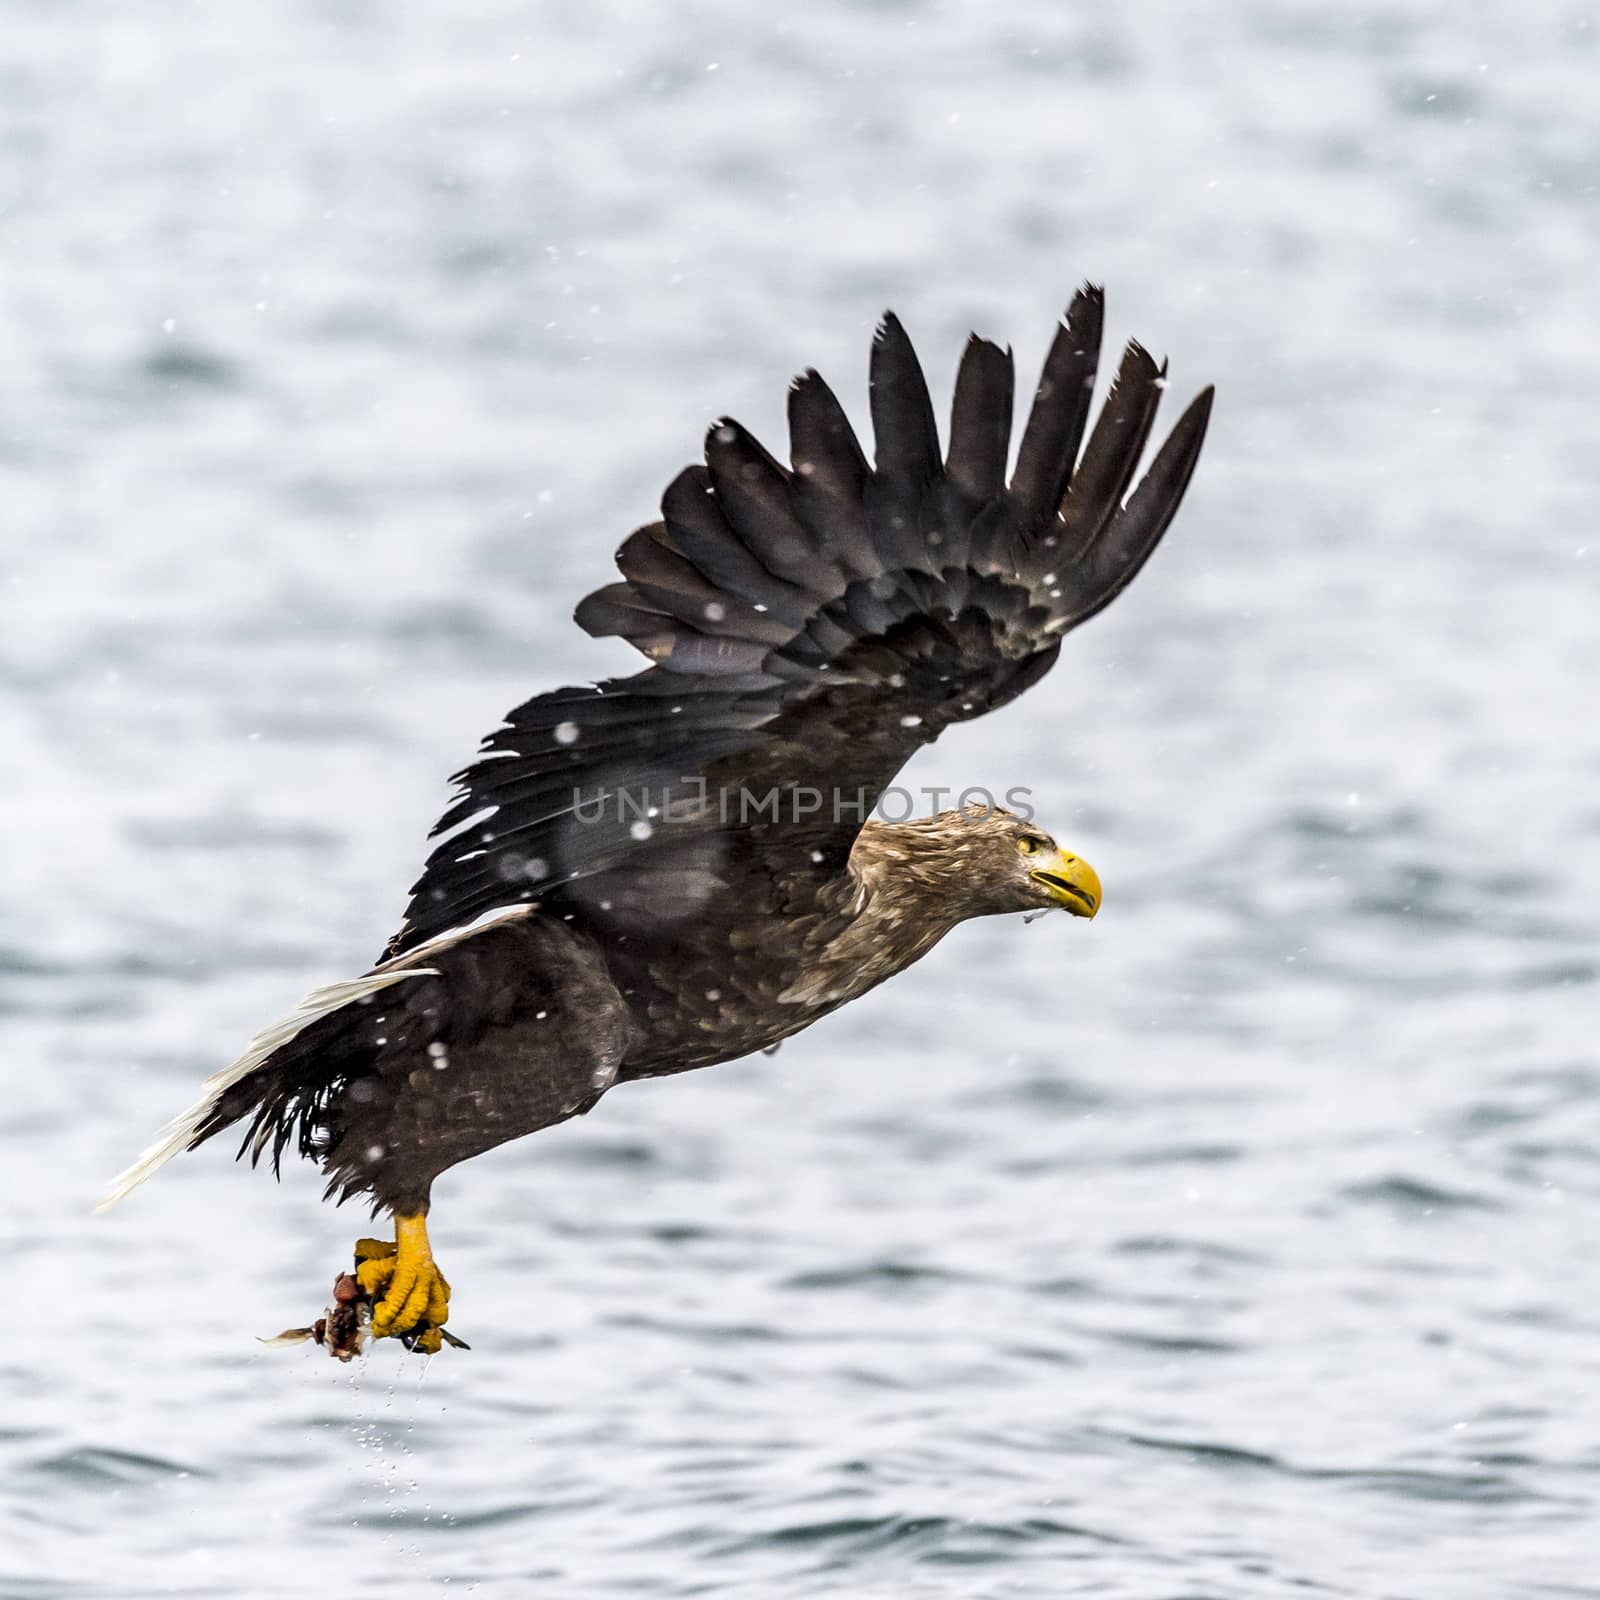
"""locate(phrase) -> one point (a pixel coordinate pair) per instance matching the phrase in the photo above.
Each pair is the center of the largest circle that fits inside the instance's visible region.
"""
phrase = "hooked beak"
(1071, 884)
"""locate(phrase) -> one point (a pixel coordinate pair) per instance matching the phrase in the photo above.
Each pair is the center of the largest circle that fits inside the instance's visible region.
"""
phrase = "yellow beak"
(1071, 884)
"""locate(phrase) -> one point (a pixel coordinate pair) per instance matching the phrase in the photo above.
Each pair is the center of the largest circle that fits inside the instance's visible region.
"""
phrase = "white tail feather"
(178, 1134)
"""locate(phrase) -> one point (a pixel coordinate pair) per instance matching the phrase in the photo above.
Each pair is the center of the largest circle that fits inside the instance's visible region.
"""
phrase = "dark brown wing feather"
(810, 627)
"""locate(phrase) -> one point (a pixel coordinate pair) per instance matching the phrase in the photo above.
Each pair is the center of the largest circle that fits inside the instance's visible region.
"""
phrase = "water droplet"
(911, 722)
(566, 733)
(716, 611)
(641, 829)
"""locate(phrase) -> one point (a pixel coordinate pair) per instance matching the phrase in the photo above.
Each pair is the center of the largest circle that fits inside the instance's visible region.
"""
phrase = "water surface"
(1239, 1244)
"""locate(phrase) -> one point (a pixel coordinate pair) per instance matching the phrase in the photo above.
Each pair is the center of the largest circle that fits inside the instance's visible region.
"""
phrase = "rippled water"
(1240, 1244)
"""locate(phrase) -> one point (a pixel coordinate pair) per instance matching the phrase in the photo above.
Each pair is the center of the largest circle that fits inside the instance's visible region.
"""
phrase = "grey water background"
(1241, 1243)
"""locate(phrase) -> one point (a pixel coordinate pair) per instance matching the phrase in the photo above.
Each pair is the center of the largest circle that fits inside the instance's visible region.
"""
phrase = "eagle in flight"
(680, 867)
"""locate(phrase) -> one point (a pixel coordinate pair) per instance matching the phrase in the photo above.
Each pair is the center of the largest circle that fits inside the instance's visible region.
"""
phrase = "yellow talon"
(374, 1273)
(406, 1285)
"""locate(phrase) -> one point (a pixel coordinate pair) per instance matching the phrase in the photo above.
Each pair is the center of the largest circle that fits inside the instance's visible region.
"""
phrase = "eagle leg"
(411, 1297)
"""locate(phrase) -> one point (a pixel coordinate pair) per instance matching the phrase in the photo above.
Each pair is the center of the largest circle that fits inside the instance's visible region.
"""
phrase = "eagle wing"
(810, 628)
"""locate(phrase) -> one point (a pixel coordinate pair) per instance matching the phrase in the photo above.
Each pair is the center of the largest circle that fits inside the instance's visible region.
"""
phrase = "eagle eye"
(1029, 845)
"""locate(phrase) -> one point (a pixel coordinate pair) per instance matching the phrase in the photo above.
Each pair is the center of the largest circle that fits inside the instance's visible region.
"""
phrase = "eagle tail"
(215, 1109)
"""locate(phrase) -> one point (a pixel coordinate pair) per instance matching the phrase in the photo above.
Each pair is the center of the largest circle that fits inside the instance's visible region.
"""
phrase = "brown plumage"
(675, 868)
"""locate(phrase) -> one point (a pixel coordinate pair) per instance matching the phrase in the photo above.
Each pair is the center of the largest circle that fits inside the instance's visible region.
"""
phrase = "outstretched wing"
(811, 627)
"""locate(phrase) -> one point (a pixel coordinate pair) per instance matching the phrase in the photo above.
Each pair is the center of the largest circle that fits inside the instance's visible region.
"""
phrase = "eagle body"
(663, 871)
(528, 1022)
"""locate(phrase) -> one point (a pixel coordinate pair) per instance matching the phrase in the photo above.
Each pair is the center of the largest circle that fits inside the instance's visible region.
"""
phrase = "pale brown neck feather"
(904, 893)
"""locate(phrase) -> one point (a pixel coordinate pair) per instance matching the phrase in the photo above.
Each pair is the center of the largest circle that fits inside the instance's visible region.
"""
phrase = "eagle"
(682, 866)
